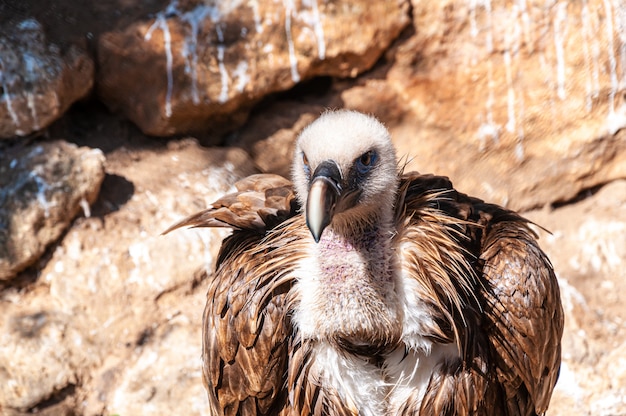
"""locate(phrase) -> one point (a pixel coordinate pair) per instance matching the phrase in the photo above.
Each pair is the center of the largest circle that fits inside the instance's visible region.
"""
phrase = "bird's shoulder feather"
(246, 330)
(259, 203)
(506, 306)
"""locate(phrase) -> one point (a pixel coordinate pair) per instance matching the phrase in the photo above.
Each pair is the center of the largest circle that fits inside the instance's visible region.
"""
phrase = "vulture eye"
(366, 161)
(305, 162)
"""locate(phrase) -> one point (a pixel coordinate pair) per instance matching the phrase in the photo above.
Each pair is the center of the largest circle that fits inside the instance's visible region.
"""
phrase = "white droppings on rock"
(293, 60)
(42, 188)
(32, 67)
(611, 56)
(223, 74)
(84, 205)
(602, 253)
(313, 19)
(74, 249)
(161, 23)
(6, 96)
(140, 256)
(511, 123)
(254, 5)
(241, 75)
(591, 51)
(195, 18)
(560, 34)
(616, 120)
(488, 130)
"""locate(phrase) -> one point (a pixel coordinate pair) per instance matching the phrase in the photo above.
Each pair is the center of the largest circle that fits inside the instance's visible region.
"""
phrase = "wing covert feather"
(513, 321)
(261, 202)
(245, 333)
(245, 326)
(525, 318)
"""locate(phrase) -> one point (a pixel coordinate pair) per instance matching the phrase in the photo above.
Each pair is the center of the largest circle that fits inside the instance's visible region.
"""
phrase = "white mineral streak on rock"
(592, 84)
(6, 95)
(293, 60)
(560, 33)
(488, 128)
(319, 30)
(254, 5)
(161, 23)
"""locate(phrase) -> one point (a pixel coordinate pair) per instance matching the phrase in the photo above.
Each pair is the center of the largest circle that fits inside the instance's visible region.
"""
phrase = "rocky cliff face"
(519, 102)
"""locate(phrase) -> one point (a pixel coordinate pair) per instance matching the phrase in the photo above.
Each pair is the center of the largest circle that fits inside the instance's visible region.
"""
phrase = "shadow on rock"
(114, 193)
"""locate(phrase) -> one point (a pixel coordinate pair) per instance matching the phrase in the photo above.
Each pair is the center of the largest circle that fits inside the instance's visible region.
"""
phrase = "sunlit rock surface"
(117, 307)
(38, 80)
(529, 94)
(200, 67)
(42, 188)
(588, 249)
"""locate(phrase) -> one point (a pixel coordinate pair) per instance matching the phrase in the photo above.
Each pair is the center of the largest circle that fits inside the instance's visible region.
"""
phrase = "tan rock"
(519, 102)
(200, 67)
(38, 81)
(588, 249)
(122, 305)
(41, 351)
(42, 188)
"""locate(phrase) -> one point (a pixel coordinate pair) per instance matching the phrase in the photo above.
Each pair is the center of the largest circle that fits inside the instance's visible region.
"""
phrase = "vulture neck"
(347, 294)
(350, 249)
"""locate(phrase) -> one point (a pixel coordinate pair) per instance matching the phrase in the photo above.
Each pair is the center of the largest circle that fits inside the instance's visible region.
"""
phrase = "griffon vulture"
(357, 289)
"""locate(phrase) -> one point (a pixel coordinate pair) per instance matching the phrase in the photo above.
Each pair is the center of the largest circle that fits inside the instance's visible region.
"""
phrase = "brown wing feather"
(261, 202)
(510, 321)
(246, 330)
(524, 314)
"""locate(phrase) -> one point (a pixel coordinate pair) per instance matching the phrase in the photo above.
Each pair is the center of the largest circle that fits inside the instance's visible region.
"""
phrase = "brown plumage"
(360, 291)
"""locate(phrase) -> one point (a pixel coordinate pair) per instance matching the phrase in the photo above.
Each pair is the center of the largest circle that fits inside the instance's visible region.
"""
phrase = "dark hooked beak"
(324, 192)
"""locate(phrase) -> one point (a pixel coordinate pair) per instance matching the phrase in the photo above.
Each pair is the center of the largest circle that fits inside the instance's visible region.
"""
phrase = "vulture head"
(345, 177)
(345, 173)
